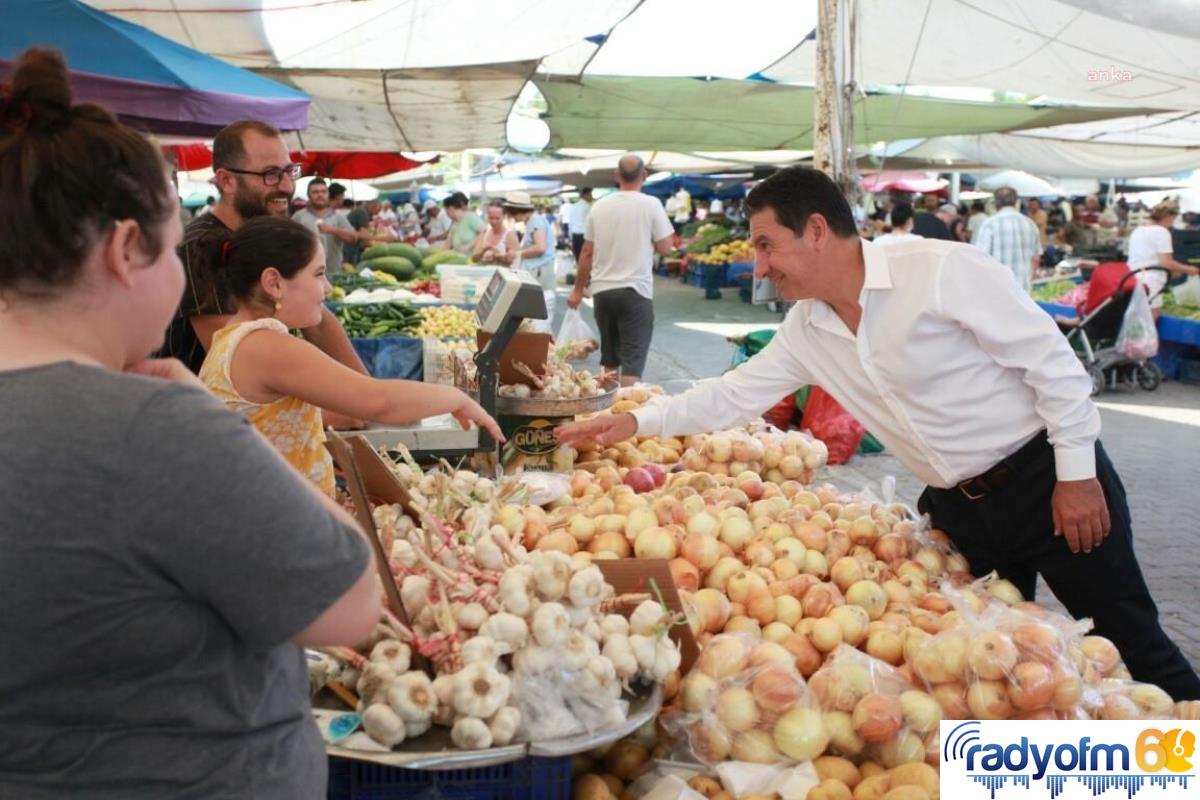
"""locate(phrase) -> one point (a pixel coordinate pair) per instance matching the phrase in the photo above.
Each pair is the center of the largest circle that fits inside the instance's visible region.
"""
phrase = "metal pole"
(955, 186)
(833, 118)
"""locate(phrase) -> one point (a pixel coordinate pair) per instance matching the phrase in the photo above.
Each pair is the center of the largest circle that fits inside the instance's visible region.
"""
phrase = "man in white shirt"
(577, 220)
(940, 355)
(320, 217)
(623, 232)
(1011, 238)
(902, 223)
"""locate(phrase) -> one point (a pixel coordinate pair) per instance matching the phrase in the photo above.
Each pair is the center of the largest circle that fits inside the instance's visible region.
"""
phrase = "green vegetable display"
(369, 321)
(1049, 292)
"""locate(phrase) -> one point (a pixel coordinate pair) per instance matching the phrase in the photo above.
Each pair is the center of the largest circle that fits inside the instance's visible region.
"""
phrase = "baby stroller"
(1094, 337)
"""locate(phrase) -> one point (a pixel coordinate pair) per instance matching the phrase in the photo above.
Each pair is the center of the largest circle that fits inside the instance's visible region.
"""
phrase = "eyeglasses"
(271, 176)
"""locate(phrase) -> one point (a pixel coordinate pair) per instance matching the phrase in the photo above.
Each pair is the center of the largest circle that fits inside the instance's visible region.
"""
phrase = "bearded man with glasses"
(252, 172)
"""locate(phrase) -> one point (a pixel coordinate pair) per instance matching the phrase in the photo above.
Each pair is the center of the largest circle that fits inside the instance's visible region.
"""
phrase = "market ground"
(1152, 437)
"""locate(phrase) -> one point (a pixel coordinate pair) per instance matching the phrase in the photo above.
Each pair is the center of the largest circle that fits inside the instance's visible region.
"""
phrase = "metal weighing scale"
(510, 298)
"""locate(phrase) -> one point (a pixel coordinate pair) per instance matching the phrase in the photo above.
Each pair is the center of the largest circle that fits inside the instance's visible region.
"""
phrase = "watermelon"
(393, 249)
(444, 257)
(398, 266)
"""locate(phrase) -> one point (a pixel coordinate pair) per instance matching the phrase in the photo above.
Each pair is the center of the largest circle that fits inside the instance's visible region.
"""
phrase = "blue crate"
(530, 778)
(735, 270)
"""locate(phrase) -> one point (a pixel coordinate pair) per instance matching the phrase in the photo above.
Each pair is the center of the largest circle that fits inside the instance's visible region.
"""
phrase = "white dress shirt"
(953, 368)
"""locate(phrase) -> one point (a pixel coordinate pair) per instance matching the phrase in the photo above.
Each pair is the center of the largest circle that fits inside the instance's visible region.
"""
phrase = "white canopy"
(1126, 53)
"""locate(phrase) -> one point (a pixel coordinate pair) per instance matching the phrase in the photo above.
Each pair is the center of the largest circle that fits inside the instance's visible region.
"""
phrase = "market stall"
(760, 631)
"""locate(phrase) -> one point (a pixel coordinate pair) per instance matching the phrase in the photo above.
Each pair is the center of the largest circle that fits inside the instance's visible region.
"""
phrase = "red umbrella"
(343, 164)
(902, 182)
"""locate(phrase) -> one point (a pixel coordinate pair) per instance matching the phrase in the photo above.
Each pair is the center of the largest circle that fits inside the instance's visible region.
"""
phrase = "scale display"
(510, 293)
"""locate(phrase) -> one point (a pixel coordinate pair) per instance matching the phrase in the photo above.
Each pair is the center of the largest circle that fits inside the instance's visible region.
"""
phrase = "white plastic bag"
(1138, 338)
(1188, 292)
(575, 336)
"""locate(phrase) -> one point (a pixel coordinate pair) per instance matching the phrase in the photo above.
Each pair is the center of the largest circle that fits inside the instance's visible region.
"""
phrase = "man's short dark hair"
(336, 190)
(456, 200)
(1005, 196)
(229, 148)
(585, 191)
(902, 212)
(796, 193)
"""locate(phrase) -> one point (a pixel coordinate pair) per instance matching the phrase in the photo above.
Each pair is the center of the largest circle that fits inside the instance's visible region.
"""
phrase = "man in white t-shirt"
(902, 223)
(622, 234)
(577, 220)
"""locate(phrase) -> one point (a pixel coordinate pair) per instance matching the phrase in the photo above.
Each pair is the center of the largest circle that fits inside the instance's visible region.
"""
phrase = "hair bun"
(40, 93)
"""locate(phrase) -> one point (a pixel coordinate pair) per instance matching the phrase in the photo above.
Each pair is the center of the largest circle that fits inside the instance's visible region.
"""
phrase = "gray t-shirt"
(333, 245)
(157, 556)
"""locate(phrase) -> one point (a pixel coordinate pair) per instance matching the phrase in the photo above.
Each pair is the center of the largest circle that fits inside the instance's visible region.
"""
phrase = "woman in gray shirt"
(161, 563)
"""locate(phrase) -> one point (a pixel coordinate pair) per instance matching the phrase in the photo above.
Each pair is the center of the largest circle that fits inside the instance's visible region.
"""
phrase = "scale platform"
(437, 437)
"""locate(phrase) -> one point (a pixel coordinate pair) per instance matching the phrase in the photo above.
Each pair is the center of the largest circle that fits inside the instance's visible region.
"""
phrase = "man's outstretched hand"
(603, 430)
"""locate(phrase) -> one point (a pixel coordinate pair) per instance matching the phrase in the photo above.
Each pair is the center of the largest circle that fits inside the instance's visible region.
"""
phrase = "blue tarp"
(699, 188)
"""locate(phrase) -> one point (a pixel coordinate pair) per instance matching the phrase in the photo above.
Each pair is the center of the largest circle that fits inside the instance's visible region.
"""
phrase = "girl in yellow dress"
(275, 269)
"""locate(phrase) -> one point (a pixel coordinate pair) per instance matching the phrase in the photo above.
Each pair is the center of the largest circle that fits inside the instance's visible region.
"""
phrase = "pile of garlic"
(524, 645)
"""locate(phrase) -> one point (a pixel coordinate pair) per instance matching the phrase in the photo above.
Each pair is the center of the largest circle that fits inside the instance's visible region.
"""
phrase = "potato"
(907, 793)
(709, 787)
(869, 768)
(917, 774)
(873, 788)
(840, 769)
(829, 789)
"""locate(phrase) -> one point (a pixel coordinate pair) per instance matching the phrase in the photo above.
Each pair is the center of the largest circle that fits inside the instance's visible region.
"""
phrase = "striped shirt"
(1013, 240)
(200, 253)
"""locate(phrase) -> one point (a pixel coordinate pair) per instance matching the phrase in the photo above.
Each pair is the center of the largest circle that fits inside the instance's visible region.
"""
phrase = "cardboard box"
(531, 349)
(636, 575)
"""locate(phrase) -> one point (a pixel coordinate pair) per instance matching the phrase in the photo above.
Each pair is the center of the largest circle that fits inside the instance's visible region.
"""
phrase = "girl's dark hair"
(261, 243)
(67, 173)
(456, 200)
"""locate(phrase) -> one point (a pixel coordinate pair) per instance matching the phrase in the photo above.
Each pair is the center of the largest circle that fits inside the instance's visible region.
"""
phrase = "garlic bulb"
(614, 623)
(404, 554)
(645, 619)
(578, 616)
(618, 650)
(412, 697)
(551, 625)
(472, 616)
(551, 574)
(657, 656)
(374, 682)
(414, 594)
(578, 651)
(592, 631)
(503, 726)
(532, 659)
(470, 733)
(508, 631)
(488, 554)
(516, 590)
(480, 649)
(383, 725)
(479, 690)
(586, 588)
(395, 654)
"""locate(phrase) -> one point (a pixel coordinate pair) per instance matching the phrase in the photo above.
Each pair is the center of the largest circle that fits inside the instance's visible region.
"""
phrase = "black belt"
(1008, 468)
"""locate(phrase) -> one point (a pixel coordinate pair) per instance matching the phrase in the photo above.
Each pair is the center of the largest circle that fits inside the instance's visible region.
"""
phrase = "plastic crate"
(529, 778)
(1189, 371)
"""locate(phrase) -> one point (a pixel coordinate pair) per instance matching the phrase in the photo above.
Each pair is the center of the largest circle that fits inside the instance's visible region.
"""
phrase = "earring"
(278, 306)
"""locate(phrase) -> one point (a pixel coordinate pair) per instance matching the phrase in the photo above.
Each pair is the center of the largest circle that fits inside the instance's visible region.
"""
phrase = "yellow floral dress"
(292, 425)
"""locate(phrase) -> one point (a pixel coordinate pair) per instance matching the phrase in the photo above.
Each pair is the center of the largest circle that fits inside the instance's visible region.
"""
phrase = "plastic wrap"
(741, 702)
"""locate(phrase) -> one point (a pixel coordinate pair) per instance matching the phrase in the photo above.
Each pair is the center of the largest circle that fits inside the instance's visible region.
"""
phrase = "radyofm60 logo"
(1072, 759)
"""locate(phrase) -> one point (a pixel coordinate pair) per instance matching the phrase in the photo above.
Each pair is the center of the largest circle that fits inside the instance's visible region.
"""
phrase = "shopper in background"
(534, 250)
(624, 231)
(902, 224)
(1038, 215)
(492, 243)
(966, 380)
(1150, 245)
(276, 271)
(934, 224)
(577, 220)
(321, 217)
(437, 224)
(465, 223)
(151, 624)
(978, 216)
(254, 175)
(1011, 238)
